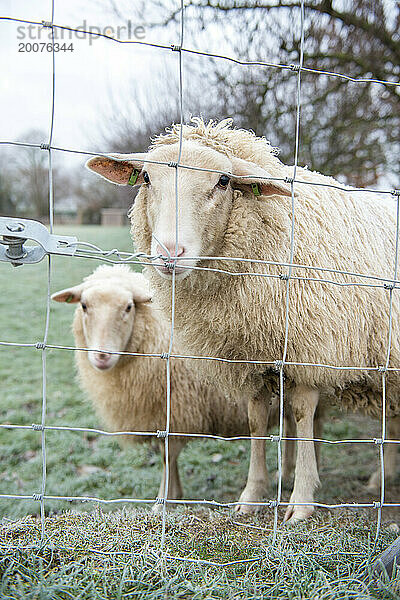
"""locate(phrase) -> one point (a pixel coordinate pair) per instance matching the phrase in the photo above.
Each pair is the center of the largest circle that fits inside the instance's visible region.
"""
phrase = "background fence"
(73, 248)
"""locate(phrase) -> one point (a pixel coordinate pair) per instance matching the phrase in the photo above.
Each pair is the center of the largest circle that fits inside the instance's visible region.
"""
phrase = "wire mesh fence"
(291, 271)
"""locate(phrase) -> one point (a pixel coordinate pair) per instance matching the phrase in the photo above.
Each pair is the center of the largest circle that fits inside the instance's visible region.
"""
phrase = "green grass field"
(80, 464)
(115, 556)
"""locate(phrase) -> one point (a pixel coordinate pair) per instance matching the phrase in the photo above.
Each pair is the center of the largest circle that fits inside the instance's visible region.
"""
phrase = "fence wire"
(114, 256)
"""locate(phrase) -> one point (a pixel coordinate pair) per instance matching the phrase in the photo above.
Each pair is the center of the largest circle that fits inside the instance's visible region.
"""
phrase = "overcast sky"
(86, 77)
(95, 77)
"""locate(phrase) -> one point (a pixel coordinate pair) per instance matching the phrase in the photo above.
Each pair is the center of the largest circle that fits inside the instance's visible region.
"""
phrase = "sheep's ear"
(142, 295)
(243, 169)
(70, 295)
(122, 169)
(140, 288)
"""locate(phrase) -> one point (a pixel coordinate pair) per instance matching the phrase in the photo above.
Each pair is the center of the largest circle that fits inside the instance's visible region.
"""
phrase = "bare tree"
(31, 177)
(8, 200)
(350, 130)
(28, 177)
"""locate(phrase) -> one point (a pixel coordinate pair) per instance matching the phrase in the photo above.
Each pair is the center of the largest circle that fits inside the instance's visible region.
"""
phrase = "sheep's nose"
(102, 359)
(170, 249)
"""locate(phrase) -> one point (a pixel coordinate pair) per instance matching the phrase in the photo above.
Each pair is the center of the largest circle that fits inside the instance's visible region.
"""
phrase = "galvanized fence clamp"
(15, 232)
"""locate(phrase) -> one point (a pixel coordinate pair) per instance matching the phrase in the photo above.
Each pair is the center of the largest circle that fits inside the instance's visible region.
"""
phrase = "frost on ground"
(117, 555)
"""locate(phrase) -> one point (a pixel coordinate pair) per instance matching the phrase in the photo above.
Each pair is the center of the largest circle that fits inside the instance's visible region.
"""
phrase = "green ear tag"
(69, 299)
(133, 177)
(256, 189)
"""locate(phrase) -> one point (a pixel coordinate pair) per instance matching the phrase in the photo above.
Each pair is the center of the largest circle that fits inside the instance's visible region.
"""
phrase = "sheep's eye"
(129, 308)
(223, 181)
(84, 307)
(146, 177)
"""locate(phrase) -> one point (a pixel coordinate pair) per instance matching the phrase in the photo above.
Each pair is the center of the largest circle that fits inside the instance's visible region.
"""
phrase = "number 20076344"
(44, 47)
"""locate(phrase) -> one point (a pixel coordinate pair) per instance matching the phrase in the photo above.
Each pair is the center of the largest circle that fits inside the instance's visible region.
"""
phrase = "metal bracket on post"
(15, 232)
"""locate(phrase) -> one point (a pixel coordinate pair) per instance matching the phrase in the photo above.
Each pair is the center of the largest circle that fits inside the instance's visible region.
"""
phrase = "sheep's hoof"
(157, 508)
(373, 489)
(245, 509)
(253, 494)
(374, 483)
(295, 514)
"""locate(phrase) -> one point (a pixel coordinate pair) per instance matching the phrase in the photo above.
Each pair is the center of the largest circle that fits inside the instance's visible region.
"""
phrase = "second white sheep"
(114, 314)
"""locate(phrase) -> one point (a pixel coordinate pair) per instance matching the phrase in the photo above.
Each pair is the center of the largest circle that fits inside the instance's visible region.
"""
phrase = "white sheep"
(245, 214)
(114, 314)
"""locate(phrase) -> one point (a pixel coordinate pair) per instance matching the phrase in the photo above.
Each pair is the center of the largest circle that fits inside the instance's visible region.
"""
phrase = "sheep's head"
(187, 208)
(107, 307)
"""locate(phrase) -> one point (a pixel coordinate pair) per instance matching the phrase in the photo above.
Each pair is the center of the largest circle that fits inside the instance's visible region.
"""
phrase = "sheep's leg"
(175, 445)
(257, 478)
(318, 426)
(389, 457)
(289, 446)
(289, 430)
(304, 403)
